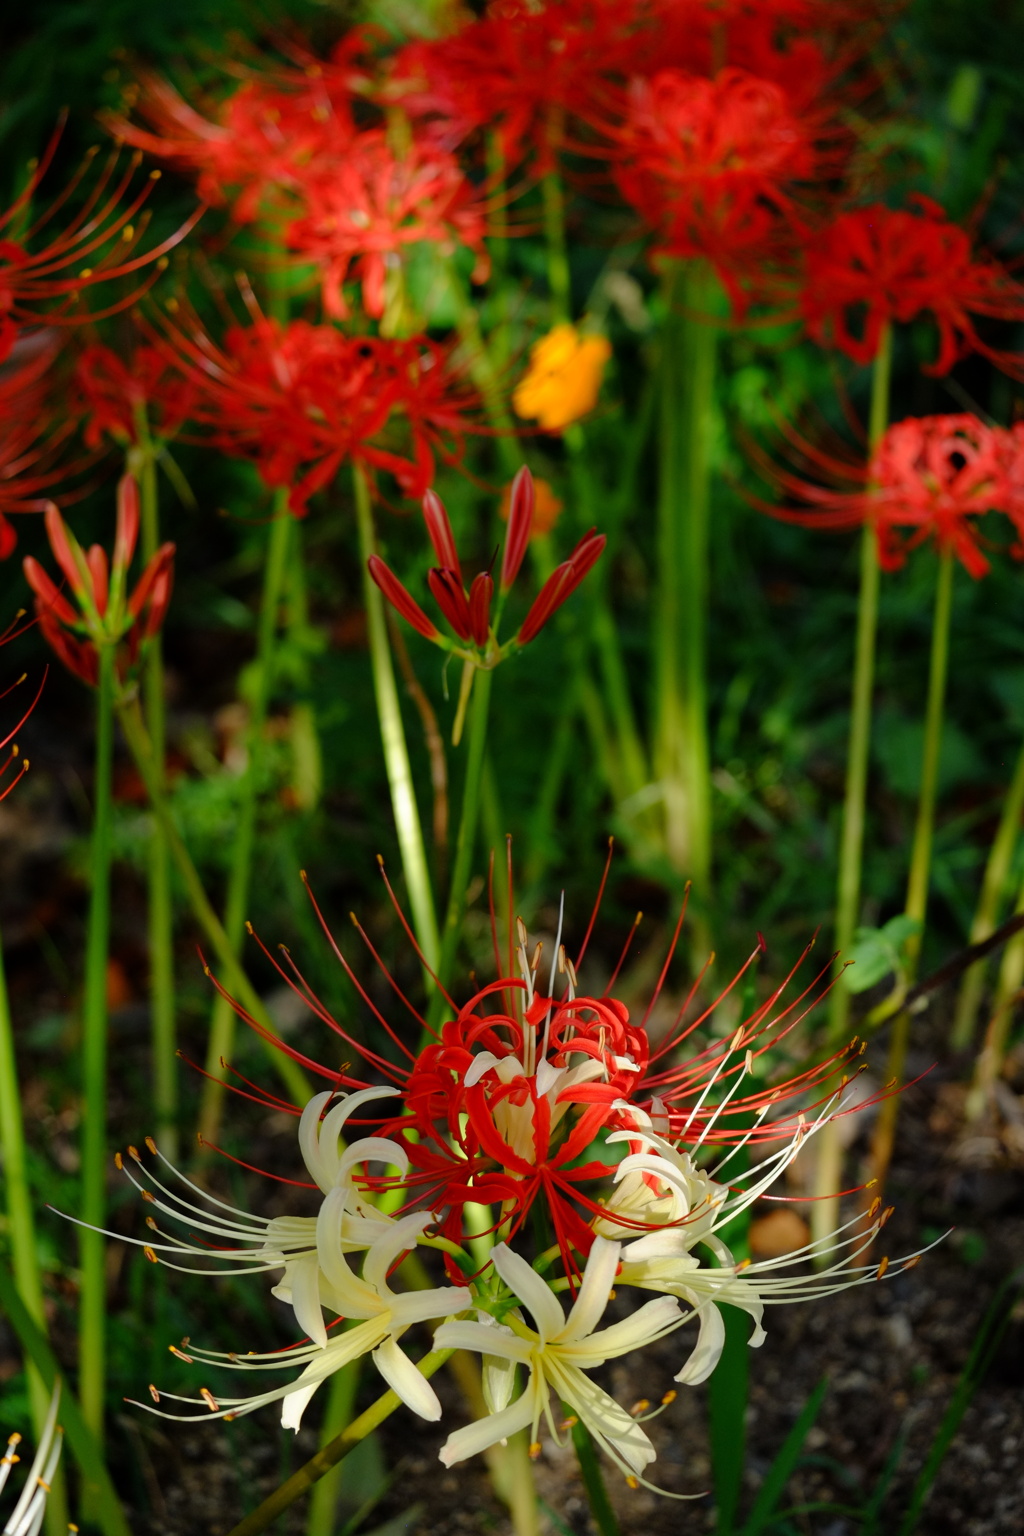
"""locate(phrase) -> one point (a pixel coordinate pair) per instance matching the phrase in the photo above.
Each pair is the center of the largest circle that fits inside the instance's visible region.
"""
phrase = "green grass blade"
(727, 1404)
(782, 1468)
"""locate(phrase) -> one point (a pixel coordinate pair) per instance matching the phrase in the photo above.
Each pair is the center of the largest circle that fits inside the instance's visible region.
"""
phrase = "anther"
(885, 1216)
(538, 951)
(534, 1450)
(134, 1152)
(640, 1406)
(150, 1255)
(631, 1481)
(118, 1161)
(151, 1224)
(209, 1399)
(154, 1394)
(913, 1262)
(669, 1397)
(874, 1207)
(248, 927)
(880, 1271)
(561, 959)
(570, 1422)
(151, 1144)
(179, 1354)
(147, 1194)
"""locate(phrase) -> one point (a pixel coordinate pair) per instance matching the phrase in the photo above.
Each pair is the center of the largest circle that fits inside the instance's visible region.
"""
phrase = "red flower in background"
(103, 612)
(517, 70)
(370, 202)
(260, 140)
(31, 433)
(931, 478)
(99, 240)
(711, 165)
(109, 394)
(300, 399)
(877, 265)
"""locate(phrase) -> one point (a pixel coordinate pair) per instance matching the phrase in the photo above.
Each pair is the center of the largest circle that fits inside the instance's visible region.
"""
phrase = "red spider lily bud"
(520, 524)
(96, 560)
(480, 594)
(127, 522)
(52, 599)
(154, 586)
(440, 532)
(78, 656)
(452, 601)
(399, 598)
(65, 550)
(560, 584)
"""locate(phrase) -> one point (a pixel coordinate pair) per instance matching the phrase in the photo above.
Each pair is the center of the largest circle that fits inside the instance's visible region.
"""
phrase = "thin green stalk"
(161, 905)
(97, 1491)
(465, 840)
(920, 857)
(680, 610)
(828, 1172)
(92, 1245)
(314, 1469)
(396, 752)
(593, 1481)
(990, 1057)
(234, 977)
(341, 1399)
(986, 915)
(22, 1236)
(727, 1413)
(222, 1022)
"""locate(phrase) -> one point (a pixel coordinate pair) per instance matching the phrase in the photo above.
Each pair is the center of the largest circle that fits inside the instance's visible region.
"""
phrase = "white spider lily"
(660, 1183)
(557, 1353)
(381, 1315)
(235, 1242)
(26, 1518)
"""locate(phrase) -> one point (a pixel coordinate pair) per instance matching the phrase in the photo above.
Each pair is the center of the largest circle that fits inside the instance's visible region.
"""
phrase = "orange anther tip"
(150, 1255)
(669, 1397)
(147, 1194)
(641, 1405)
(631, 1482)
(151, 1144)
(134, 1152)
(118, 1161)
(534, 1450)
(880, 1271)
(154, 1394)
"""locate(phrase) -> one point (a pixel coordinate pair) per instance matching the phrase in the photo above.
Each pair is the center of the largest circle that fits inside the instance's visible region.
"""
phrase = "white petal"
(357, 1298)
(295, 1404)
(497, 1426)
(383, 1253)
(304, 1277)
(379, 1149)
(309, 1141)
(499, 1379)
(598, 1278)
(416, 1306)
(708, 1349)
(478, 1066)
(486, 1341)
(531, 1290)
(602, 1415)
(642, 1327)
(403, 1377)
(547, 1076)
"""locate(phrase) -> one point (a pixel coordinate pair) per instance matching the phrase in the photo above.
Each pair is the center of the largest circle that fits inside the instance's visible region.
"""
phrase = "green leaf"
(782, 1468)
(880, 952)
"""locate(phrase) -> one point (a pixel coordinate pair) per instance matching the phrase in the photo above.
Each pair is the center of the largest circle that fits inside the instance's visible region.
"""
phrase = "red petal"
(401, 600)
(440, 531)
(451, 599)
(480, 594)
(520, 522)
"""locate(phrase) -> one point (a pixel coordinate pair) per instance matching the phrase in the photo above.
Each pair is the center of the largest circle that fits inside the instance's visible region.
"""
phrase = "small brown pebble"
(782, 1231)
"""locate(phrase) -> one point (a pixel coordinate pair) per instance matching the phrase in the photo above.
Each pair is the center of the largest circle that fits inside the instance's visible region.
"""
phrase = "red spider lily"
(504, 1103)
(301, 399)
(30, 437)
(711, 164)
(103, 612)
(100, 240)
(370, 202)
(110, 394)
(469, 613)
(932, 475)
(877, 265)
(260, 141)
(519, 70)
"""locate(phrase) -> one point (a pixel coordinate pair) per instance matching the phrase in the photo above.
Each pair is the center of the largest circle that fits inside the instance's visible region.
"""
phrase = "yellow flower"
(563, 379)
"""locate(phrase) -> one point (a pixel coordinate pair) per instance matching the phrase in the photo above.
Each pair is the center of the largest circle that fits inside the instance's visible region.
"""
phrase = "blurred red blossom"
(930, 479)
(300, 400)
(103, 612)
(109, 394)
(32, 432)
(263, 138)
(35, 285)
(370, 202)
(876, 265)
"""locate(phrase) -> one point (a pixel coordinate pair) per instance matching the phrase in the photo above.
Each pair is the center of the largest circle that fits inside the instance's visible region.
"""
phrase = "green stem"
(341, 1397)
(851, 848)
(559, 282)
(161, 906)
(222, 1023)
(920, 859)
(593, 1481)
(92, 1245)
(990, 1057)
(396, 752)
(235, 978)
(330, 1455)
(465, 841)
(680, 641)
(828, 1173)
(22, 1236)
(993, 885)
